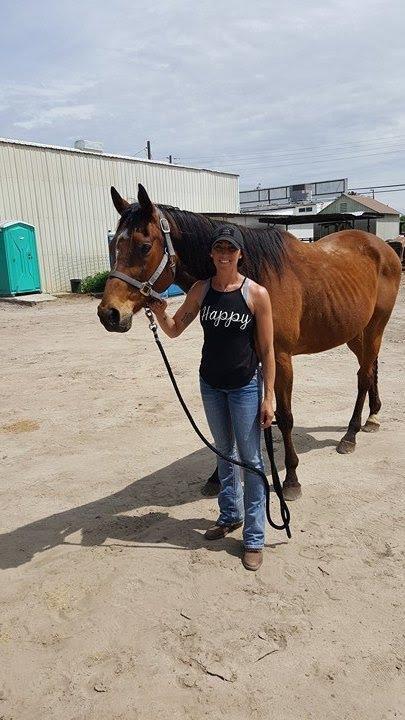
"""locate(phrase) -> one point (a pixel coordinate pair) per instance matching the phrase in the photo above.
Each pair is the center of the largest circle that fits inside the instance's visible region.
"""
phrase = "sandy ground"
(113, 606)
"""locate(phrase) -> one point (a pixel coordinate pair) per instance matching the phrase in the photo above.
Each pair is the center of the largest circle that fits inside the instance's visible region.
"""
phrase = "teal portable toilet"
(19, 268)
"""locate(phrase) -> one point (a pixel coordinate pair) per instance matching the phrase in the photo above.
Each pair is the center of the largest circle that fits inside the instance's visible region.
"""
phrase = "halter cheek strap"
(169, 256)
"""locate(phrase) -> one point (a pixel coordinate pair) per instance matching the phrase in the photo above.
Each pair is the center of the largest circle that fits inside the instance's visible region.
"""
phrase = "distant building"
(300, 199)
(305, 231)
(256, 219)
(386, 226)
(288, 196)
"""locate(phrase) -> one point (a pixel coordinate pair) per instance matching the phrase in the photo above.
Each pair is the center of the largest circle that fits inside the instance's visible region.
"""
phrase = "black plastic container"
(75, 285)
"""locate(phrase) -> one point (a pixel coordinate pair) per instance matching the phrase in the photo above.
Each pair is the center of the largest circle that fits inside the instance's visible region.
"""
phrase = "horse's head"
(138, 248)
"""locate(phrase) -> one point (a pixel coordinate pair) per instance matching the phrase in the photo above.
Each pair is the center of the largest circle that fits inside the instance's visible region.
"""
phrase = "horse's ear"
(119, 203)
(144, 200)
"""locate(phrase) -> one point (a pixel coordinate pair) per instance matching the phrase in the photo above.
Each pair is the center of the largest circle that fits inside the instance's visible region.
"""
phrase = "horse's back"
(347, 278)
(363, 245)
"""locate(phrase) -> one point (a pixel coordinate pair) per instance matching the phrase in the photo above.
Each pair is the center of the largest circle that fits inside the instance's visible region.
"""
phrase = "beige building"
(65, 194)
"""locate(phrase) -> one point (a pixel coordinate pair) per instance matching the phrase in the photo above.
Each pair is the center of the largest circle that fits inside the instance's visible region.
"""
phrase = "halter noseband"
(146, 287)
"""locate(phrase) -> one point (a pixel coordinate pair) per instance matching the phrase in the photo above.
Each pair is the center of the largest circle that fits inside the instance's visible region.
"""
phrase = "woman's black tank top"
(229, 357)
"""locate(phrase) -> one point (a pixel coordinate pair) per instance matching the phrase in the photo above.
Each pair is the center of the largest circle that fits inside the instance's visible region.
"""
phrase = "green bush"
(94, 283)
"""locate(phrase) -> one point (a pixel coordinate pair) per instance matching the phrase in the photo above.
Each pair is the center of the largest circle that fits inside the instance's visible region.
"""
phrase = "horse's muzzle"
(112, 319)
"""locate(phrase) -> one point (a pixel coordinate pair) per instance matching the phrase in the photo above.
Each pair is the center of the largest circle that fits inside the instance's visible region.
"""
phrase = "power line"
(284, 153)
(375, 187)
(265, 165)
(326, 146)
(382, 192)
(249, 159)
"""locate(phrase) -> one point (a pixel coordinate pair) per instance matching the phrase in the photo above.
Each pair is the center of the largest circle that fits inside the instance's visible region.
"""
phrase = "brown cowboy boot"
(216, 532)
(252, 559)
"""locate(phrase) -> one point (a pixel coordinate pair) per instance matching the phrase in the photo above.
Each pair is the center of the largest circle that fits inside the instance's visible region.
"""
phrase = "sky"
(278, 92)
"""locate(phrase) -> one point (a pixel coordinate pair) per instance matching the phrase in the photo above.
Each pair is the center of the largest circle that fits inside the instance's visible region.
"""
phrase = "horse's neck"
(191, 243)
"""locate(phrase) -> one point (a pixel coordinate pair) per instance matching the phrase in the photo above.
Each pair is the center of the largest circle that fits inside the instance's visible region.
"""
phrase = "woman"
(235, 314)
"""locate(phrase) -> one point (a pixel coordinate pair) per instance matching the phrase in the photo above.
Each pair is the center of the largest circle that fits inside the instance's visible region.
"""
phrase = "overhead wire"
(139, 151)
(327, 159)
(296, 151)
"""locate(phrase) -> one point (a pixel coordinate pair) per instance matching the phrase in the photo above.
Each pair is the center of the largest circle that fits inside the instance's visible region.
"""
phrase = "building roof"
(370, 203)
(93, 153)
(233, 214)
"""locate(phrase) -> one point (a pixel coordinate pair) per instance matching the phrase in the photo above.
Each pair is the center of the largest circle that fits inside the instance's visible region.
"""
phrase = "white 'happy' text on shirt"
(218, 316)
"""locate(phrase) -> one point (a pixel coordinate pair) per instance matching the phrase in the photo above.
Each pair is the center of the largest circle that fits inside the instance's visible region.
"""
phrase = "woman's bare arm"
(186, 313)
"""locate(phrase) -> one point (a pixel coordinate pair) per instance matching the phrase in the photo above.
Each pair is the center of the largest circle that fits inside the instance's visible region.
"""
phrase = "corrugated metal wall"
(387, 228)
(66, 195)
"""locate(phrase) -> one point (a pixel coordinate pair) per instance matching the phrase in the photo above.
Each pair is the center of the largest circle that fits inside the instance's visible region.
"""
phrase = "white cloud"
(51, 116)
(244, 82)
(55, 91)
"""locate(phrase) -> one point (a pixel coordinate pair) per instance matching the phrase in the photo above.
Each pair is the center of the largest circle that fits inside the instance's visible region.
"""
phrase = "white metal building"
(65, 194)
(303, 232)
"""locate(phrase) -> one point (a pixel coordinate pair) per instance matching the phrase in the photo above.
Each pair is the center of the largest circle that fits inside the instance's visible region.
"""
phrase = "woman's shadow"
(176, 484)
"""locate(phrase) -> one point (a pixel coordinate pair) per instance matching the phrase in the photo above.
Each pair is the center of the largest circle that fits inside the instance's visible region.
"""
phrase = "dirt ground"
(113, 606)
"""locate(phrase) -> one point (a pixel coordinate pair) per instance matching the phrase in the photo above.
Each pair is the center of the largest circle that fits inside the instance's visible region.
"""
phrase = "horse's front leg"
(285, 421)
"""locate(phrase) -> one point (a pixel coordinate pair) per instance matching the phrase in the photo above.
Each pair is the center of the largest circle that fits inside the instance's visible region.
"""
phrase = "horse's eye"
(145, 247)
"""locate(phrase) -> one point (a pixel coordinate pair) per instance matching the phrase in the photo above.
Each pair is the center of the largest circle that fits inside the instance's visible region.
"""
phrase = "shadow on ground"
(106, 518)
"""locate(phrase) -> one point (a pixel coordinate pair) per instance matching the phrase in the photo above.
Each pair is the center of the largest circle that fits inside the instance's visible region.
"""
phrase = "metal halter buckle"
(152, 324)
(164, 225)
(145, 289)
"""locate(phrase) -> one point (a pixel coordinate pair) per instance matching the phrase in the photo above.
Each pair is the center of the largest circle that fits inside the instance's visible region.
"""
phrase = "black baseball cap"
(230, 233)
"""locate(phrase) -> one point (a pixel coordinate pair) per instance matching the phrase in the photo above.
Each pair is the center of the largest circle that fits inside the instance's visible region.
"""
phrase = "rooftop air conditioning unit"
(300, 193)
(89, 145)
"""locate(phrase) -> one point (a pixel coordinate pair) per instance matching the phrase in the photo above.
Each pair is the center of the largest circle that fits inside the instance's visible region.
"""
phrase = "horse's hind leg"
(366, 349)
(283, 391)
(372, 423)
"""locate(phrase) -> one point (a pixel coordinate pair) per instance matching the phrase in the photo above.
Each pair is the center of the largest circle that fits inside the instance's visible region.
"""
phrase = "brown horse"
(341, 289)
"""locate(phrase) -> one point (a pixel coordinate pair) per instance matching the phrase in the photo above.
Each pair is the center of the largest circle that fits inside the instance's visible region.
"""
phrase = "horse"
(339, 290)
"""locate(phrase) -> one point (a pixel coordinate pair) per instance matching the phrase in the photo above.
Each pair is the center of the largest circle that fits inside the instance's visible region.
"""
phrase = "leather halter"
(169, 256)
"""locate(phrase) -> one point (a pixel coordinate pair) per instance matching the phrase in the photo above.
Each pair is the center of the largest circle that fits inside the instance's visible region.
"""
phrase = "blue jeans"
(234, 420)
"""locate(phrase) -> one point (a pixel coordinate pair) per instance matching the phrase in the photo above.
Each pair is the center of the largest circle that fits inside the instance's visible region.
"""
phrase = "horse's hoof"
(345, 447)
(371, 426)
(291, 492)
(210, 489)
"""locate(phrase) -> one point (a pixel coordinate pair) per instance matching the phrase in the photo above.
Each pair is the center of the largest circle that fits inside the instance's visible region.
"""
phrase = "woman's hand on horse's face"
(158, 306)
(266, 414)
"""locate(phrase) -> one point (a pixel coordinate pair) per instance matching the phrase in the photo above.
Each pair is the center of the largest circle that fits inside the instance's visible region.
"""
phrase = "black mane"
(261, 245)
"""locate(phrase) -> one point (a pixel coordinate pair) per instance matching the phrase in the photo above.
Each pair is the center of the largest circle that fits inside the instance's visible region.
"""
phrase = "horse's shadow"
(176, 484)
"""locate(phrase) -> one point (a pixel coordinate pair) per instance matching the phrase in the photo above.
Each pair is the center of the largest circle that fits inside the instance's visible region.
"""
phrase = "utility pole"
(148, 150)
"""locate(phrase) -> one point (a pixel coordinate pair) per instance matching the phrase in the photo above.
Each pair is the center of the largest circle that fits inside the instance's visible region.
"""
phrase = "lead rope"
(268, 436)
